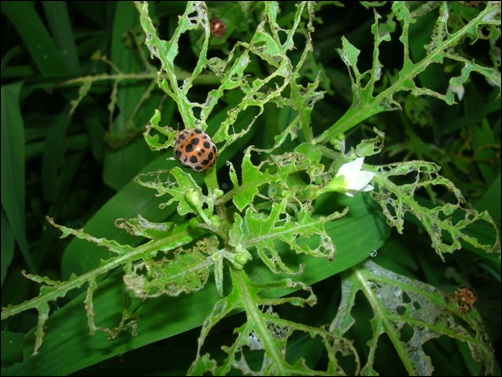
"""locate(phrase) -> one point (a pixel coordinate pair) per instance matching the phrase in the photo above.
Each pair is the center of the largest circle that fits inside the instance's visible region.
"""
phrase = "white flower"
(350, 179)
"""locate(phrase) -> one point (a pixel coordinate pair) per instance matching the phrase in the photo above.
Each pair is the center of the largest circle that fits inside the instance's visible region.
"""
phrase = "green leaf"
(176, 187)
(68, 347)
(252, 179)
(266, 233)
(40, 44)
(396, 200)
(187, 272)
(13, 168)
(367, 102)
(398, 302)
(61, 28)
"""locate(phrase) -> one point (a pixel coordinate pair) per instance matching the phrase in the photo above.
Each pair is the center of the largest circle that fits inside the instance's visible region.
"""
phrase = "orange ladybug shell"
(218, 27)
(195, 150)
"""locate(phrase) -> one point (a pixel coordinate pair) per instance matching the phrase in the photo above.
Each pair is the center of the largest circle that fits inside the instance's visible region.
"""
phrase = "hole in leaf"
(400, 309)
(406, 298)
(387, 361)
(406, 333)
(298, 342)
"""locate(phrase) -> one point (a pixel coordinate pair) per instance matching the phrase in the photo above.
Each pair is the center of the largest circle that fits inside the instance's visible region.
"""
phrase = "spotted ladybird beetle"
(218, 28)
(195, 150)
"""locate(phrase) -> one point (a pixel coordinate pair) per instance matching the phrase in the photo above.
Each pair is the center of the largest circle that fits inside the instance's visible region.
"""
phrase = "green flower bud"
(218, 193)
(216, 221)
(194, 222)
(241, 259)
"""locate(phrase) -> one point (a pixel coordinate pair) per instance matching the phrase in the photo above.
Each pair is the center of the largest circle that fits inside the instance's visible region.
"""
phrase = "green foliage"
(445, 230)
(266, 331)
(242, 245)
(398, 302)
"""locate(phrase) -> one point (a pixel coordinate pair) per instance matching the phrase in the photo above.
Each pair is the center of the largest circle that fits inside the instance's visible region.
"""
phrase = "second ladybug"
(218, 27)
(195, 150)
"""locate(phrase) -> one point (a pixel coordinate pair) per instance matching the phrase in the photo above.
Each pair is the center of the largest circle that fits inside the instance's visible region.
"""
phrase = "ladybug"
(218, 27)
(195, 150)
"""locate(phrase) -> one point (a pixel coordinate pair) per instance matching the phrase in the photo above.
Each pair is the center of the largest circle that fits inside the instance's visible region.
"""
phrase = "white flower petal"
(367, 188)
(350, 167)
(362, 179)
(355, 179)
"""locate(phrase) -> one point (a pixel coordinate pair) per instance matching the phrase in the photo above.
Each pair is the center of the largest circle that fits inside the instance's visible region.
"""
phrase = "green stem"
(211, 180)
(369, 105)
